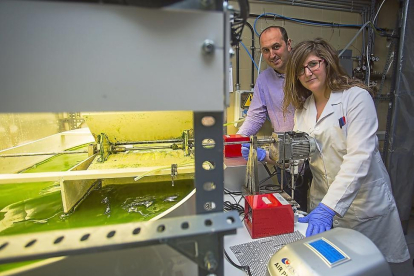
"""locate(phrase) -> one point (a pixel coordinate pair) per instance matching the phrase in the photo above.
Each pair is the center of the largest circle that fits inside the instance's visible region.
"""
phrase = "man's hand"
(319, 220)
(245, 149)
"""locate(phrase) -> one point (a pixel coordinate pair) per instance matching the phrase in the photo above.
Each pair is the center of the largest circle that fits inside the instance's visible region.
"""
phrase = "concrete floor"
(407, 268)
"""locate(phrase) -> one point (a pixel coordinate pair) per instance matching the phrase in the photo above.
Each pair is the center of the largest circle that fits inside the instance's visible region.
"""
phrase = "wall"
(17, 129)
(20, 128)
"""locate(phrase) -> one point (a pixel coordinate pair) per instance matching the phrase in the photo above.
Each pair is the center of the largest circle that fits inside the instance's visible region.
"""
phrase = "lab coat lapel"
(334, 99)
(310, 113)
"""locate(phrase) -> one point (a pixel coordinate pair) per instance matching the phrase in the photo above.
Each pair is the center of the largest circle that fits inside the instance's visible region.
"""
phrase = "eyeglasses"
(313, 65)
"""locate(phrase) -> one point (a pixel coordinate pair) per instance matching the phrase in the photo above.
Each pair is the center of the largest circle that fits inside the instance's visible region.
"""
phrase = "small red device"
(234, 150)
(268, 215)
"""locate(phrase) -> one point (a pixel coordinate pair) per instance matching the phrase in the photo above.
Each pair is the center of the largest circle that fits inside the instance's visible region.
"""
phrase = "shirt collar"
(279, 74)
(334, 98)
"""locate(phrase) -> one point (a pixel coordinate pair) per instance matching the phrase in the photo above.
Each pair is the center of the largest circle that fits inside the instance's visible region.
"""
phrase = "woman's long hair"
(336, 78)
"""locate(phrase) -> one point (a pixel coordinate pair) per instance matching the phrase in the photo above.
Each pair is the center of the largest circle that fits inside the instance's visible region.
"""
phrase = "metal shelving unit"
(124, 58)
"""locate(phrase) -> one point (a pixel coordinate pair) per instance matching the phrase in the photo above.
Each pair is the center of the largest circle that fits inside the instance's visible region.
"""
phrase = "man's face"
(274, 49)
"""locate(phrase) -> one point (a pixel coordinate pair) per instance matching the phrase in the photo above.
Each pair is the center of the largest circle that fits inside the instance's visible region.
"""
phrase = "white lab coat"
(348, 173)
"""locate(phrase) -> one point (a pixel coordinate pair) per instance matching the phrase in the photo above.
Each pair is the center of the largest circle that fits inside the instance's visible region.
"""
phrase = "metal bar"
(394, 108)
(352, 40)
(337, 4)
(34, 246)
(313, 21)
(40, 153)
(363, 2)
(255, 169)
(260, 141)
(89, 174)
(343, 2)
(317, 6)
(252, 48)
(371, 40)
(395, 72)
(238, 66)
(209, 125)
(365, 20)
(160, 147)
(293, 185)
(150, 142)
(283, 154)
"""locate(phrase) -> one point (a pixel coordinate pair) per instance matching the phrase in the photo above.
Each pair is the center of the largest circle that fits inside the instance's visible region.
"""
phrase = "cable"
(228, 192)
(239, 21)
(244, 268)
(260, 63)
(272, 188)
(302, 22)
(249, 55)
(352, 40)
(325, 24)
(375, 17)
(368, 68)
(228, 206)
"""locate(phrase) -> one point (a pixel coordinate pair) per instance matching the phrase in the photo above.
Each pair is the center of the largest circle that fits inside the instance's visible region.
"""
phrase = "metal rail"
(201, 229)
(40, 153)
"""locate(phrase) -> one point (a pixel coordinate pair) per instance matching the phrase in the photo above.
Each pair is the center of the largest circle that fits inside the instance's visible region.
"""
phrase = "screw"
(210, 262)
(208, 46)
(231, 52)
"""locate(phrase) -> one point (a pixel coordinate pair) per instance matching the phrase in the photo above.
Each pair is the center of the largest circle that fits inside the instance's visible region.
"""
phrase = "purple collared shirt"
(267, 99)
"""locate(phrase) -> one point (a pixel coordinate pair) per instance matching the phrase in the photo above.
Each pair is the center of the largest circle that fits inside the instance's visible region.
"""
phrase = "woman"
(351, 187)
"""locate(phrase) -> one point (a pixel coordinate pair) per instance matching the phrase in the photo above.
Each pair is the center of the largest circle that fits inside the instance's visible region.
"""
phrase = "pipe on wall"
(238, 59)
(355, 6)
(253, 47)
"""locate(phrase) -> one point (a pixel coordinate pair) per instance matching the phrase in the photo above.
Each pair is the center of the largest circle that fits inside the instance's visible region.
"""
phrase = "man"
(268, 100)
(268, 91)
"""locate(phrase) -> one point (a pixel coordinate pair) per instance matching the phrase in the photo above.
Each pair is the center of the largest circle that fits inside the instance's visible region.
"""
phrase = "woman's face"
(312, 74)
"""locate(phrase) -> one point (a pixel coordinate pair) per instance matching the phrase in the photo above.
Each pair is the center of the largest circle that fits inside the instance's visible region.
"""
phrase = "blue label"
(331, 254)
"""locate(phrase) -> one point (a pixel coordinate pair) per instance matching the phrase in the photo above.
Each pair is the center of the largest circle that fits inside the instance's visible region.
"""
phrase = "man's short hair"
(282, 31)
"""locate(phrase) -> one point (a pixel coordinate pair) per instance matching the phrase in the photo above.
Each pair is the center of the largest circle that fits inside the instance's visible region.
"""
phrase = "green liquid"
(37, 207)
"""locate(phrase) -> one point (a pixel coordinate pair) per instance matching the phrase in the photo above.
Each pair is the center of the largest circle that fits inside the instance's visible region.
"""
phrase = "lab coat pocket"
(338, 139)
(373, 200)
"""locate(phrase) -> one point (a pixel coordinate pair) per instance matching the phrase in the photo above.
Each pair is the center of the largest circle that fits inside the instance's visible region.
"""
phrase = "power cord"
(228, 206)
(244, 268)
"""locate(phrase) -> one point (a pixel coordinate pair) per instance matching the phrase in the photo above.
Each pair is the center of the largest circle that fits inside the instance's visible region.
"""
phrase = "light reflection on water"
(108, 205)
(37, 207)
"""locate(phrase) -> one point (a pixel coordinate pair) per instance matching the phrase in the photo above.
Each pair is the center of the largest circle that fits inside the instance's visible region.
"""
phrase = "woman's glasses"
(313, 65)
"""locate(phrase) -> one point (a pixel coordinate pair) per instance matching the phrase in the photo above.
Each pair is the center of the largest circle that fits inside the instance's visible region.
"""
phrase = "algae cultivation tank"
(103, 169)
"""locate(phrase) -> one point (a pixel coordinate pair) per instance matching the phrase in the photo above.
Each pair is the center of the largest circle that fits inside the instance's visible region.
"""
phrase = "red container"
(268, 215)
(234, 150)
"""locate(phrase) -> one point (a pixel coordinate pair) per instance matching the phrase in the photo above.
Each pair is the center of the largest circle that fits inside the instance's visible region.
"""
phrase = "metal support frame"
(400, 149)
(371, 38)
(209, 175)
(394, 48)
(195, 236)
(198, 237)
(252, 173)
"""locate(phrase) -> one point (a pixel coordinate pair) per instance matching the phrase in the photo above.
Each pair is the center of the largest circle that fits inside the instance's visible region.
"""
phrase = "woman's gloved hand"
(319, 220)
(245, 149)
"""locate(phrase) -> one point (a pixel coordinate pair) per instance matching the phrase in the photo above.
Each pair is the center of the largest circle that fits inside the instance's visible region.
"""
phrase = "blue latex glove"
(245, 149)
(319, 220)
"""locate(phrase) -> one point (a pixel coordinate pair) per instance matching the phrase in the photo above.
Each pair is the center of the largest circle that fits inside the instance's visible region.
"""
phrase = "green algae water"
(37, 207)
